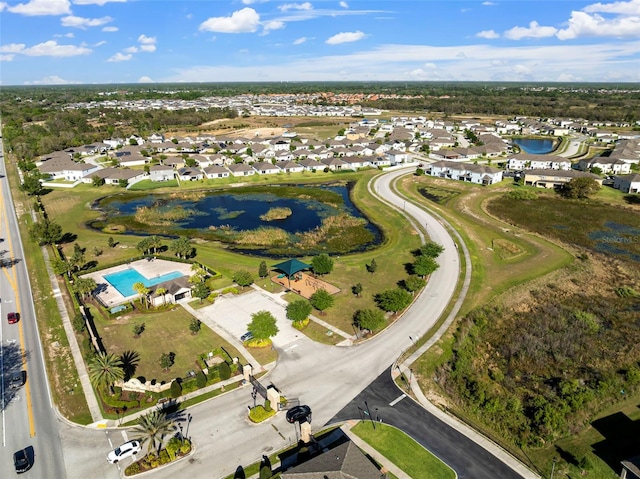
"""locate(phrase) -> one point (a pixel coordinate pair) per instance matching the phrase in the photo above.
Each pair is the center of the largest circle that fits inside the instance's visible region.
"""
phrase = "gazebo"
(291, 267)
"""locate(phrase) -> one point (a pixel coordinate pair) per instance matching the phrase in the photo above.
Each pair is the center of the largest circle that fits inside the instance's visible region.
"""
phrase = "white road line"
(292, 347)
(397, 400)
(124, 435)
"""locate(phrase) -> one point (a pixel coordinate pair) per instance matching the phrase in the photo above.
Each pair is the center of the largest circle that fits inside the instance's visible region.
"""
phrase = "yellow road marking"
(13, 281)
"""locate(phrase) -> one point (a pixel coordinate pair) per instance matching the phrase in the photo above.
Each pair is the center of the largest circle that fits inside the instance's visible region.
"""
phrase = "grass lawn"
(403, 451)
(165, 332)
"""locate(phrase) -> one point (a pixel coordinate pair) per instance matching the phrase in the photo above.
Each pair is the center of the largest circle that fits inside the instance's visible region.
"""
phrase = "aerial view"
(320, 239)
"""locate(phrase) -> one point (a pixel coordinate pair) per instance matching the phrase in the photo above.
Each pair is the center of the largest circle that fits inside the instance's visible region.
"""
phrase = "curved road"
(325, 377)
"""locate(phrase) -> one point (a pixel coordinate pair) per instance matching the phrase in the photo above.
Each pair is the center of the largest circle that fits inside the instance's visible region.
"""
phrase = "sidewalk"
(89, 394)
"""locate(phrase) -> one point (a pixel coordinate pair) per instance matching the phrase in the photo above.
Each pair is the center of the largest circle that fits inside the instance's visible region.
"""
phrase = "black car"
(21, 461)
(299, 414)
(17, 379)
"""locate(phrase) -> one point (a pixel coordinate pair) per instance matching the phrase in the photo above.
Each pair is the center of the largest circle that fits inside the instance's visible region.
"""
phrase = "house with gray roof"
(555, 178)
(189, 173)
(627, 183)
(216, 171)
(161, 173)
(241, 169)
(478, 174)
(310, 164)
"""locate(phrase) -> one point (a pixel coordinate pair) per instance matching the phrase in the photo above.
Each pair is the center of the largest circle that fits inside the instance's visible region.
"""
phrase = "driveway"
(233, 314)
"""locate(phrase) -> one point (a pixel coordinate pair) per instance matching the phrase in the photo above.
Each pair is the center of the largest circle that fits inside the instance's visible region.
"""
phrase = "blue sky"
(131, 41)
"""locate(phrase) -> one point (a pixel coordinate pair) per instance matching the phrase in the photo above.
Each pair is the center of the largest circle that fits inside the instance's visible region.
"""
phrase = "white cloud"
(96, 2)
(147, 48)
(80, 22)
(300, 41)
(295, 6)
(246, 20)
(3, 5)
(46, 49)
(110, 29)
(489, 34)
(533, 31)
(488, 4)
(145, 79)
(582, 24)
(145, 40)
(623, 8)
(12, 48)
(42, 7)
(344, 4)
(99, 44)
(272, 25)
(133, 49)
(65, 35)
(51, 80)
(345, 37)
(7, 58)
(120, 57)
(521, 70)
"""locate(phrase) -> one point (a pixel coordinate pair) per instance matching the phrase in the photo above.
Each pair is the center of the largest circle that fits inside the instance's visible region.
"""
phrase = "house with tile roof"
(468, 172)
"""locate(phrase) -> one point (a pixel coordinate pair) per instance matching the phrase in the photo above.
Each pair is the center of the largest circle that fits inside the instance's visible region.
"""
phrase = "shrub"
(164, 457)
(115, 403)
(522, 195)
(224, 371)
(201, 379)
(176, 389)
(78, 323)
(132, 469)
(267, 405)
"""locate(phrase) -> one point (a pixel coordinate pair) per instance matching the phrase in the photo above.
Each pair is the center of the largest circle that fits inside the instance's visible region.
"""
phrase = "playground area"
(304, 284)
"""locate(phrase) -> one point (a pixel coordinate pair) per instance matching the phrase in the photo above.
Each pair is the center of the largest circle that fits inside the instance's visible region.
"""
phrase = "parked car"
(125, 450)
(21, 461)
(246, 336)
(13, 318)
(17, 379)
(299, 414)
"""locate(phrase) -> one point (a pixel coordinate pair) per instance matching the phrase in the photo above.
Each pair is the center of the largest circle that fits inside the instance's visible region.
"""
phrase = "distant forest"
(35, 120)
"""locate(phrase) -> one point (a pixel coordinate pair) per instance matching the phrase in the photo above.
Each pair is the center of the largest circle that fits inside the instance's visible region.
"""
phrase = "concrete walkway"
(89, 393)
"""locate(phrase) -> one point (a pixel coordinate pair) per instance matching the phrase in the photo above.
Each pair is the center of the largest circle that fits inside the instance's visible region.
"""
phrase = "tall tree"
(263, 325)
(153, 428)
(84, 286)
(431, 249)
(298, 311)
(372, 267)
(143, 291)
(160, 291)
(322, 264)
(580, 188)
(181, 247)
(263, 271)
(243, 278)
(393, 300)
(424, 266)
(45, 232)
(321, 300)
(105, 369)
(371, 319)
(413, 283)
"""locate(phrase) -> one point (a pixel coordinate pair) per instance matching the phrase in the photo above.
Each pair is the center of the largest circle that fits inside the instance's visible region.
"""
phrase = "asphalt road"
(383, 400)
(28, 417)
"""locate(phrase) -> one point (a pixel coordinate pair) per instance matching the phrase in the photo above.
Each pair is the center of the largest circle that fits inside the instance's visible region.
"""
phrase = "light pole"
(189, 418)
(369, 414)
(181, 436)
(553, 468)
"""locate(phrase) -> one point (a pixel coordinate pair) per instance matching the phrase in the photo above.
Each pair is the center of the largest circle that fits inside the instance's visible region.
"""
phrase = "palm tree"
(153, 427)
(160, 291)
(105, 369)
(142, 290)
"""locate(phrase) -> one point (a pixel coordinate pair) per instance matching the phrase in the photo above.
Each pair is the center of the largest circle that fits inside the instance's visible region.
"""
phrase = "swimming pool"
(123, 281)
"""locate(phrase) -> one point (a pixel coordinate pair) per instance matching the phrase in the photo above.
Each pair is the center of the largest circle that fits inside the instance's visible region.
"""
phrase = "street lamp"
(553, 468)
(181, 436)
(189, 418)
(369, 414)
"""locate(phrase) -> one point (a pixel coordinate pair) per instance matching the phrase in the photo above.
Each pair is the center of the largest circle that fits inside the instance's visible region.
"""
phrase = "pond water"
(239, 210)
(617, 239)
(535, 146)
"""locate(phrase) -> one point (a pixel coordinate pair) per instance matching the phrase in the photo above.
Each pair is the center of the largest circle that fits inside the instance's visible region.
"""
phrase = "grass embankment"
(576, 290)
(403, 451)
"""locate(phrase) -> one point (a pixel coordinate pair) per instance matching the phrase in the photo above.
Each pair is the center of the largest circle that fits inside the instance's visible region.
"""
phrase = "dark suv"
(21, 461)
(17, 379)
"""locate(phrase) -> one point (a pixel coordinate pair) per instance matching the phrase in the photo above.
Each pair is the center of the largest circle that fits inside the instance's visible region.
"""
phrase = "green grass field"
(403, 451)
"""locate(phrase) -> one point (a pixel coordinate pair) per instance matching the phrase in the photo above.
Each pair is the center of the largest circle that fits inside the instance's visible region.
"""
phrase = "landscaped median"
(405, 453)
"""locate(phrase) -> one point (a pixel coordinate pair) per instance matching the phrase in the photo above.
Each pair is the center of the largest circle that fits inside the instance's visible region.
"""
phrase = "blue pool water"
(123, 281)
(535, 146)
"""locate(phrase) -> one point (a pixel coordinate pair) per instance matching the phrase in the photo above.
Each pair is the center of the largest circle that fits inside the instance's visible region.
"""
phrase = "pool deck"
(110, 296)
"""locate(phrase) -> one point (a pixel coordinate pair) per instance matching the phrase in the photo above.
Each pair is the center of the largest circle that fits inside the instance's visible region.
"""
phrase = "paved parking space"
(233, 313)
